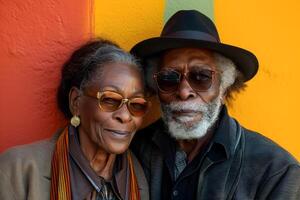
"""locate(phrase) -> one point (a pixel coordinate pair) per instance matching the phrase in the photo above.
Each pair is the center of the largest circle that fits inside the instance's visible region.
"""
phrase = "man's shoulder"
(147, 133)
(259, 148)
(142, 144)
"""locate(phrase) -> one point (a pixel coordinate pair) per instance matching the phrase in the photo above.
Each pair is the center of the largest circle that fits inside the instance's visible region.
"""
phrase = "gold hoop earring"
(75, 121)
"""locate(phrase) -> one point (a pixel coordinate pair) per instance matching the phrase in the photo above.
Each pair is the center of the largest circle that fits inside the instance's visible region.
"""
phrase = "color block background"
(37, 36)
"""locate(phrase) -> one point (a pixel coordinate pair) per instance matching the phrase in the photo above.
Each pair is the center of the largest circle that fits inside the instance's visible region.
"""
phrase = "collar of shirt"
(86, 178)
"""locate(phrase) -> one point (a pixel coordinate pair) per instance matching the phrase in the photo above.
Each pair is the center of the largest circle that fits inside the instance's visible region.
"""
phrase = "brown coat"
(25, 172)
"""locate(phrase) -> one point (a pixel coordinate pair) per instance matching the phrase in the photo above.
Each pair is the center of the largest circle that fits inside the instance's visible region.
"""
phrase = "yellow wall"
(270, 28)
(128, 22)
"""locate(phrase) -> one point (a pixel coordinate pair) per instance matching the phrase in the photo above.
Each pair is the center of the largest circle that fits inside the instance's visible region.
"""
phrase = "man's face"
(191, 110)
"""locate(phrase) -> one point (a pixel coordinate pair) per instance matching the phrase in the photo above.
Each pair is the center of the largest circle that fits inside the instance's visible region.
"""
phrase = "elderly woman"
(102, 93)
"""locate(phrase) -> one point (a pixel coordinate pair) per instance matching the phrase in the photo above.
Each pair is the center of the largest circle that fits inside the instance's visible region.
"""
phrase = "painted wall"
(36, 37)
(34, 45)
(270, 104)
(268, 28)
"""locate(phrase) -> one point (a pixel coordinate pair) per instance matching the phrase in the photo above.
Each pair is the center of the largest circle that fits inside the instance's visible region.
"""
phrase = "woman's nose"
(122, 114)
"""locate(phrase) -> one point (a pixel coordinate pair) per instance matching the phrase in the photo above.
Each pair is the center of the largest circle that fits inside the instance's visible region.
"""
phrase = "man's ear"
(74, 99)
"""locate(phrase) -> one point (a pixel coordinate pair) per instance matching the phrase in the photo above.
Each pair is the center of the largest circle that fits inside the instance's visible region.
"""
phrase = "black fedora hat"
(190, 28)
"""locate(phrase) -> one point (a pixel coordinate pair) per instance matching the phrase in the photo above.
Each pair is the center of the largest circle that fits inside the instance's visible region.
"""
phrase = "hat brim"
(245, 61)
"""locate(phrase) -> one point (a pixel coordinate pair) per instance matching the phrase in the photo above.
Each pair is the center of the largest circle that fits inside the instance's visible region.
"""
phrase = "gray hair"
(232, 80)
(86, 65)
(227, 69)
(107, 54)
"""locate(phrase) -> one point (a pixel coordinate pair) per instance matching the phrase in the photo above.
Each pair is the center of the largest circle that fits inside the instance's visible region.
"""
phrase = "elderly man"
(197, 151)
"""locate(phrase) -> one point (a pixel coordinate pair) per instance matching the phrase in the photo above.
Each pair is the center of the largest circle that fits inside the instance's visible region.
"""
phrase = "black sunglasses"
(168, 80)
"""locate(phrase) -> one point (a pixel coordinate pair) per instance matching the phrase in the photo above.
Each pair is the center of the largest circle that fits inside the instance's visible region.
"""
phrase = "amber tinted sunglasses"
(110, 101)
(168, 80)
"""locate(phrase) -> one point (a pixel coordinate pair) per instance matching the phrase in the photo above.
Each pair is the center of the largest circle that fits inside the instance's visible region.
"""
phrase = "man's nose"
(185, 91)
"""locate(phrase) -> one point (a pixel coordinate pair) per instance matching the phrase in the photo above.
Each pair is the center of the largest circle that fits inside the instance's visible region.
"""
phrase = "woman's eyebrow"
(111, 87)
(117, 89)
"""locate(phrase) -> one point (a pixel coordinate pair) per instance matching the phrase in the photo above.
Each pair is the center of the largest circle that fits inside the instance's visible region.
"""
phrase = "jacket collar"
(227, 133)
(121, 171)
(52, 141)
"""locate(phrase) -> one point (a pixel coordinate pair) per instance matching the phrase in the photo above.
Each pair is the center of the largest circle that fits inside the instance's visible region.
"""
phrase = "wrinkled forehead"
(186, 56)
(120, 76)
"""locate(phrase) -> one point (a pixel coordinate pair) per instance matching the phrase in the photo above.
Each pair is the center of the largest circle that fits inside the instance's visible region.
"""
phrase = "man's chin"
(186, 125)
(188, 122)
(187, 130)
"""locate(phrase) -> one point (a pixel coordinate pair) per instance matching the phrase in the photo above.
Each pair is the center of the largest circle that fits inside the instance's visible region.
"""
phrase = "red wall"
(36, 37)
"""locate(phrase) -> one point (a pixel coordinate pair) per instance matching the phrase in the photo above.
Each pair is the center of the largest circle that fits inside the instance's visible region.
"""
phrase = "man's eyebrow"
(200, 66)
(172, 67)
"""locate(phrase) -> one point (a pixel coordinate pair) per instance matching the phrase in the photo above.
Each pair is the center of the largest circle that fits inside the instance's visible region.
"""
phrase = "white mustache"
(196, 107)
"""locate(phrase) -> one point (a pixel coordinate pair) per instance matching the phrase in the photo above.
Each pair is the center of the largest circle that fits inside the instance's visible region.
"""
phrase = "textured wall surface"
(268, 28)
(205, 6)
(270, 104)
(36, 37)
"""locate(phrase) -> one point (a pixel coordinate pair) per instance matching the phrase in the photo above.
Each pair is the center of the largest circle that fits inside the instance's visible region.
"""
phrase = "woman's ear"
(74, 99)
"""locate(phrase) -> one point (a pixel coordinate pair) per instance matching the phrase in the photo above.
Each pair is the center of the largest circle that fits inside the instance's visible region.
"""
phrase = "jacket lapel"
(225, 176)
(156, 175)
(47, 170)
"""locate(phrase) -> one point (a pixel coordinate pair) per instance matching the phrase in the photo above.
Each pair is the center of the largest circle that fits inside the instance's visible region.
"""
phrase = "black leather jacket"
(252, 166)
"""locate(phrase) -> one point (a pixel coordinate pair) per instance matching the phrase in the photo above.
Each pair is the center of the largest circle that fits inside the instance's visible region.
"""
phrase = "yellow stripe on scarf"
(60, 175)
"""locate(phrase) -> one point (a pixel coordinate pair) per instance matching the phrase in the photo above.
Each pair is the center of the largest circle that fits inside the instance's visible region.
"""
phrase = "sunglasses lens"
(110, 101)
(168, 81)
(138, 106)
(200, 80)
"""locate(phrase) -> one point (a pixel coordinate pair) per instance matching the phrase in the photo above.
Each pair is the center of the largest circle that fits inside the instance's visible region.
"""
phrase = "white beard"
(180, 129)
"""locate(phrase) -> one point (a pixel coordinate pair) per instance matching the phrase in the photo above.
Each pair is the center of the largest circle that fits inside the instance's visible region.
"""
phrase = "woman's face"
(110, 131)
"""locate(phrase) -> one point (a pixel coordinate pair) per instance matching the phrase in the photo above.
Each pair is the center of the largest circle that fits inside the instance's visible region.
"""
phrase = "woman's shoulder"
(25, 170)
(37, 152)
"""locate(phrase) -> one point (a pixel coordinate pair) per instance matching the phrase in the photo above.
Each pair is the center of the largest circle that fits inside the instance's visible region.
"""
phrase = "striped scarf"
(133, 188)
(60, 173)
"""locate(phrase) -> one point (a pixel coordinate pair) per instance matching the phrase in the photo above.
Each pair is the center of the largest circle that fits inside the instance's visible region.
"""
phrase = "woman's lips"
(119, 133)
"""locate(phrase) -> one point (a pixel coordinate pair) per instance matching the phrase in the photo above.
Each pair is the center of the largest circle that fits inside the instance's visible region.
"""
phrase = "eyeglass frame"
(181, 76)
(124, 101)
